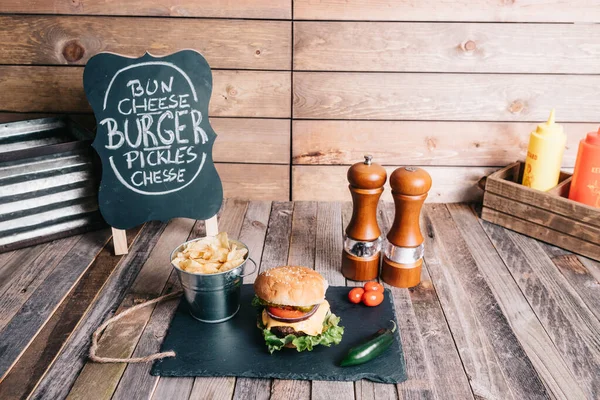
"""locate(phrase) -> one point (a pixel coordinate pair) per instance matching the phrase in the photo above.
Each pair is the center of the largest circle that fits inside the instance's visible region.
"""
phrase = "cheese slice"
(312, 326)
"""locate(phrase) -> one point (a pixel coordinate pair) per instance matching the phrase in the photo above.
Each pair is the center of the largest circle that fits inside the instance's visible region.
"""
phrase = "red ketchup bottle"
(585, 185)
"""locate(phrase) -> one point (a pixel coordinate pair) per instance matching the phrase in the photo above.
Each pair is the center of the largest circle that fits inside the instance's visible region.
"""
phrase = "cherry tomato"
(355, 295)
(286, 312)
(372, 298)
(374, 286)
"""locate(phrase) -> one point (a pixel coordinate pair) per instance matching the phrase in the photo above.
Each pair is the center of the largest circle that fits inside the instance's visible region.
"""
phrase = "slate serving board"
(237, 348)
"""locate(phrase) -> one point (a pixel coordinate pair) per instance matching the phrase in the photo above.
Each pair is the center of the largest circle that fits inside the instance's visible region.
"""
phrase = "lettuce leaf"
(257, 302)
(332, 334)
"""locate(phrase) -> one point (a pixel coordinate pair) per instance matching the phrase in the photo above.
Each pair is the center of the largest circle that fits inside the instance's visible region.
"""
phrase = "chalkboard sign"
(153, 137)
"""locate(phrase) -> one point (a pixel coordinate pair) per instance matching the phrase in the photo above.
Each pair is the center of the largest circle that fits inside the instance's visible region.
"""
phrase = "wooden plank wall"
(455, 86)
(304, 88)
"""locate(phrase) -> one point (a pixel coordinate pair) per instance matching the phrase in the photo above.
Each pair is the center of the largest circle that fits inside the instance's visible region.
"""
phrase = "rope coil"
(157, 356)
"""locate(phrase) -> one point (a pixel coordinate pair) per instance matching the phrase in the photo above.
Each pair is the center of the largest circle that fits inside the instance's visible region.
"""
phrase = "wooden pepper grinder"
(403, 256)
(363, 242)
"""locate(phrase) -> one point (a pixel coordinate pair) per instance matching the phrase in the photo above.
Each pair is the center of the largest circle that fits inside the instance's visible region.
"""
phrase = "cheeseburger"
(293, 310)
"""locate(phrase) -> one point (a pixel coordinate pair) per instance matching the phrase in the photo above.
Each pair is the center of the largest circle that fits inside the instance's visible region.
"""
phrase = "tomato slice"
(286, 312)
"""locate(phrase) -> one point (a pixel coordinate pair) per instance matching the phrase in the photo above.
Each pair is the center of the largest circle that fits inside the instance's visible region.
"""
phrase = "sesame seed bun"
(291, 286)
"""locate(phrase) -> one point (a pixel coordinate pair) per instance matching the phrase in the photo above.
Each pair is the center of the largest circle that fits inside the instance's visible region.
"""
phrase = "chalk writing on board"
(153, 133)
(154, 118)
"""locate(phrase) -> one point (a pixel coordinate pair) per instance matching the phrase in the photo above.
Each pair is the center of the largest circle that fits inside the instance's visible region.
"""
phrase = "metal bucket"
(213, 298)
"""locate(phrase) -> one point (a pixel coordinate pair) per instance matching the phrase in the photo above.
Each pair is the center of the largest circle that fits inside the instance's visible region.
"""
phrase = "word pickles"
(153, 135)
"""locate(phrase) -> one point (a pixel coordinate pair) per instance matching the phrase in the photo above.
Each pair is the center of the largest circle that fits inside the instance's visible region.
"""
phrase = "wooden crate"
(547, 216)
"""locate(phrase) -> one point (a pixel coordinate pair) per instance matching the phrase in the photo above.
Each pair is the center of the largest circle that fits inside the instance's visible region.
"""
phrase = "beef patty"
(283, 331)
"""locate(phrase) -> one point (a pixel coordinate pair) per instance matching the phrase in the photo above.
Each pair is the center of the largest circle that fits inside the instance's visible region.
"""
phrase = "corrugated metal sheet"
(48, 182)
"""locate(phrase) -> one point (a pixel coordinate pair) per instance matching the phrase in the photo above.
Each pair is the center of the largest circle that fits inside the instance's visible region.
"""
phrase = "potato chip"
(189, 264)
(236, 253)
(223, 240)
(210, 255)
(200, 245)
(229, 265)
(222, 255)
(202, 261)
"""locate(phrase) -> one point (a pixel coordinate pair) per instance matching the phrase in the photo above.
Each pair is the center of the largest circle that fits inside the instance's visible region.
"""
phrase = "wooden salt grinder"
(362, 242)
(403, 255)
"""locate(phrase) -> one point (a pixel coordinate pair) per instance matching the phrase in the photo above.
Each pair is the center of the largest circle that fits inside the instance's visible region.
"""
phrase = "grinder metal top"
(367, 175)
(410, 181)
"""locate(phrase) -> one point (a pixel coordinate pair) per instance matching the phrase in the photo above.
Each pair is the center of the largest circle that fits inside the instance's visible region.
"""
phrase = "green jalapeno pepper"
(371, 348)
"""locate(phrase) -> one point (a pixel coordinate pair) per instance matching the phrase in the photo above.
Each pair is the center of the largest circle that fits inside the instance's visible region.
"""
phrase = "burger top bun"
(291, 286)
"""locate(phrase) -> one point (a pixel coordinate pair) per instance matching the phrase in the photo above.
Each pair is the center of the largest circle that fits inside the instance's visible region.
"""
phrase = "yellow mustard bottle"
(544, 155)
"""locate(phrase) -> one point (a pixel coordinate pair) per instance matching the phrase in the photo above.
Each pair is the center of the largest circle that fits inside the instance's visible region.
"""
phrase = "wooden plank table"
(497, 315)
